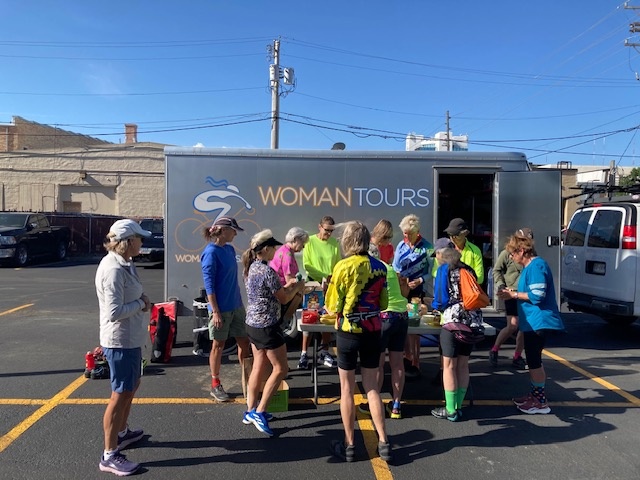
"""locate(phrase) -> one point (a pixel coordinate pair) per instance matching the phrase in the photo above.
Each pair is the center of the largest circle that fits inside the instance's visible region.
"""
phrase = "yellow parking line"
(614, 388)
(50, 404)
(7, 312)
(380, 467)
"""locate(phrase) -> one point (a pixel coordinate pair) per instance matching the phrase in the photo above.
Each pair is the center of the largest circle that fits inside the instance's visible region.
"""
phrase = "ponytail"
(248, 257)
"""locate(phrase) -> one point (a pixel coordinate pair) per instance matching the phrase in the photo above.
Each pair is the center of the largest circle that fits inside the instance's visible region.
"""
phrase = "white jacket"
(123, 324)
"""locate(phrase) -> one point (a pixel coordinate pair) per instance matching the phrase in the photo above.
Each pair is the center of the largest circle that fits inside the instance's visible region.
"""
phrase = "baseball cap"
(440, 244)
(525, 232)
(127, 228)
(456, 226)
(228, 222)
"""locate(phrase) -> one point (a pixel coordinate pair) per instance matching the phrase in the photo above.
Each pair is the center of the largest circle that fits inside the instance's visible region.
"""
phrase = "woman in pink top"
(285, 264)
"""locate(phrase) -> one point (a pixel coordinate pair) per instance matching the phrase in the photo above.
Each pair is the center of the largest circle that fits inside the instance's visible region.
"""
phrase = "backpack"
(162, 330)
(441, 288)
(473, 297)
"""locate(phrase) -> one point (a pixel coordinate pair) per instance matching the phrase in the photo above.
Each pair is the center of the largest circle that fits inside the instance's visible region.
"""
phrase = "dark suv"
(153, 247)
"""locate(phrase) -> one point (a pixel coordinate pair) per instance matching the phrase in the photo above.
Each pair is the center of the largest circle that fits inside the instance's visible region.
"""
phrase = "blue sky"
(550, 78)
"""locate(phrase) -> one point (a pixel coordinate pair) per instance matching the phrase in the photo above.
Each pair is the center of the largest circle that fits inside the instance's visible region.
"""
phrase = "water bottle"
(89, 364)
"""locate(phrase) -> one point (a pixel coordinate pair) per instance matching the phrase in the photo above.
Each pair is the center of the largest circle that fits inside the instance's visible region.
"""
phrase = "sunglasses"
(328, 230)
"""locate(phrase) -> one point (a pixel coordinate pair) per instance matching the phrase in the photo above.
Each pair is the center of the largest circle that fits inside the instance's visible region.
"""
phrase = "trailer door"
(530, 199)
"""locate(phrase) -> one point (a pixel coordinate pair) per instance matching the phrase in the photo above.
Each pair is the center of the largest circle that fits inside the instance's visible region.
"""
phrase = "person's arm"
(396, 258)
(113, 289)
(478, 265)
(308, 260)
(289, 291)
(499, 270)
(404, 286)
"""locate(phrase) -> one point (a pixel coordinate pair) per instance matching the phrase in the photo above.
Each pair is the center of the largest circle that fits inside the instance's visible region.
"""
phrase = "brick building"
(43, 168)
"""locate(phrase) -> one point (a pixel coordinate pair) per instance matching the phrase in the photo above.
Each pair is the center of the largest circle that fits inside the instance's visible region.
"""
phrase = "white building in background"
(437, 143)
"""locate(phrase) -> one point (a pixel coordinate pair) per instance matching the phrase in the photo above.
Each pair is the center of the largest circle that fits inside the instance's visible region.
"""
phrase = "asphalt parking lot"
(51, 416)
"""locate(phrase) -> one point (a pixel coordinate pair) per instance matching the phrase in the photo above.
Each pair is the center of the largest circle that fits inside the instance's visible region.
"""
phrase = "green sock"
(450, 401)
(460, 394)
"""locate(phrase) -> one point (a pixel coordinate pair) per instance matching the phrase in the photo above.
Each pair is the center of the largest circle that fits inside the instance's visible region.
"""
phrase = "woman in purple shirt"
(265, 294)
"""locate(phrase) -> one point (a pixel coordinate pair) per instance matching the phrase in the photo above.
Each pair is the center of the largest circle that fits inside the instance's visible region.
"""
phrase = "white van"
(600, 273)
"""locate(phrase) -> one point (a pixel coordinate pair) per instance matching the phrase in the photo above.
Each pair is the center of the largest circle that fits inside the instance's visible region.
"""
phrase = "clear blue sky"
(550, 78)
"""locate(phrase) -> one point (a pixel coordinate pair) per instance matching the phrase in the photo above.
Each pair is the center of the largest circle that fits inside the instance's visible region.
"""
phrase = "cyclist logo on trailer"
(213, 200)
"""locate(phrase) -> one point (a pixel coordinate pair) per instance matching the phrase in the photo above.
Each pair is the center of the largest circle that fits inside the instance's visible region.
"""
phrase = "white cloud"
(103, 79)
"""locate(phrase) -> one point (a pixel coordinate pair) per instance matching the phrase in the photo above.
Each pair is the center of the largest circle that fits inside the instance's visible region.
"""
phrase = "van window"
(578, 229)
(605, 229)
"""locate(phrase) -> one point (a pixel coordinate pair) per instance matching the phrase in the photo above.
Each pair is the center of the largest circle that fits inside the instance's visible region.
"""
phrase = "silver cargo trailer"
(496, 193)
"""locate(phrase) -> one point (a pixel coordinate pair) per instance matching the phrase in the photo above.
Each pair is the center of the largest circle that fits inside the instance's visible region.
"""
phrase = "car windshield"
(154, 226)
(16, 221)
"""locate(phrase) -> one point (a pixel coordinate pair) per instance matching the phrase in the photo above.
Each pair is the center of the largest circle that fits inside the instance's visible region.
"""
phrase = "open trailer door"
(530, 199)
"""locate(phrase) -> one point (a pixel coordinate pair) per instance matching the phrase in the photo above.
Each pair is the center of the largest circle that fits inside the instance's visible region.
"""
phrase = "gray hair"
(355, 239)
(296, 233)
(410, 223)
(449, 255)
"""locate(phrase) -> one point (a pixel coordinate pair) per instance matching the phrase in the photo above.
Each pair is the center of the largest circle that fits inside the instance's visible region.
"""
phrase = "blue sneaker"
(132, 436)
(247, 421)
(260, 422)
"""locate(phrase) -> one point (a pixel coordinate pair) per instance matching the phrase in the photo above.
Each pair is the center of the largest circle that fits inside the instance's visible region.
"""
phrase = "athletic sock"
(517, 355)
(460, 394)
(495, 348)
(537, 390)
(450, 401)
(215, 381)
(108, 454)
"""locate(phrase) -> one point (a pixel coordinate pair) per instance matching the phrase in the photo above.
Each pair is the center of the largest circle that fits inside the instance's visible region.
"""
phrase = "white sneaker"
(200, 353)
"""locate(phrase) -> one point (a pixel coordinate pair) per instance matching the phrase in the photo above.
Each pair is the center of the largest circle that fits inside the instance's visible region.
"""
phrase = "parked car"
(153, 247)
(600, 271)
(24, 236)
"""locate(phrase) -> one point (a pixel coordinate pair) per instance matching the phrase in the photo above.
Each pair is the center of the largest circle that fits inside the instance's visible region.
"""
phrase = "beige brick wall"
(134, 172)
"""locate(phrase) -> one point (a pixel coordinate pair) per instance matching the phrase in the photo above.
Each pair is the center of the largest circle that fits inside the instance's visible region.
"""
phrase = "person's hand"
(415, 283)
(505, 294)
(147, 303)
(216, 320)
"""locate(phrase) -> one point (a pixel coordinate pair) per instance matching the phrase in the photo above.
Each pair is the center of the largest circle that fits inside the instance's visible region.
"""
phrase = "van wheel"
(620, 321)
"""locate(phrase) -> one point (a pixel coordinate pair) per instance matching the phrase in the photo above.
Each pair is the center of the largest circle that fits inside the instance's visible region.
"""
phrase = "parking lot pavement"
(50, 416)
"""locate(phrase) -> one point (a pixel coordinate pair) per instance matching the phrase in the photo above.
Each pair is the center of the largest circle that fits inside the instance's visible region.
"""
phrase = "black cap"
(456, 226)
(269, 242)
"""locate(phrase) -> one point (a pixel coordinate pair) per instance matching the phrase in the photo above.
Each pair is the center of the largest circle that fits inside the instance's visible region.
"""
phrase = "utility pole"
(448, 137)
(274, 80)
(289, 80)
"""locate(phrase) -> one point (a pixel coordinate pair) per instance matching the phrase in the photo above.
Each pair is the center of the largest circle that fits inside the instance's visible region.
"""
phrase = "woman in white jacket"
(123, 329)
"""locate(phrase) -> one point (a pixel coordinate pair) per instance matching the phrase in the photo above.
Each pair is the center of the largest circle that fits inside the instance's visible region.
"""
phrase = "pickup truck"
(152, 249)
(25, 235)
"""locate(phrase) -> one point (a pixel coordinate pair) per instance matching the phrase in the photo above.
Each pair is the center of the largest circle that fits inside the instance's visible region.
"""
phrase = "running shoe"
(342, 451)
(441, 412)
(493, 358)
(534, 406)
(260, 422)
(118, 465)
